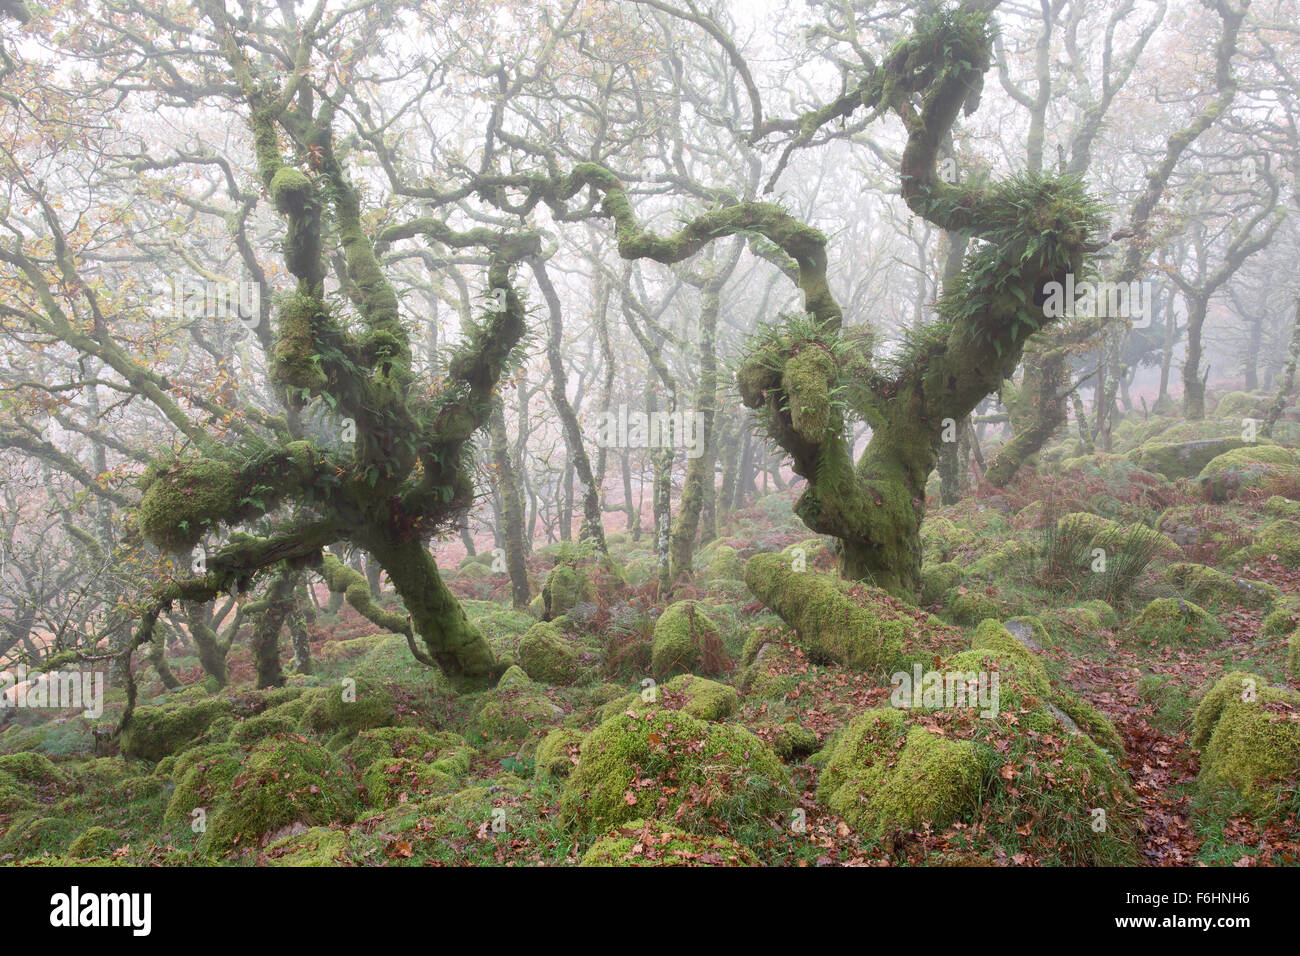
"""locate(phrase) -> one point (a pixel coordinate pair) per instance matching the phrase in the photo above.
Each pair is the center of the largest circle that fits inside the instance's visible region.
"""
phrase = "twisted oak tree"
(408, 473)
(808, 375)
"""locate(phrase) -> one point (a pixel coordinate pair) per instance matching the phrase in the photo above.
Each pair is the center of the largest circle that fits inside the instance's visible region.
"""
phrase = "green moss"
(155, 732)
(14, 797)
(318, 846)
(725, 564)
(997, 561)
(556, 754)
(659, 759)
(705, 699)
(183, 502)
(1091, 721)
(1209, 586)
(389, 782)
(1171, 706)
(1293, 655)
(1037, 631)
(566, 587)
(290, 190)
(31, 768)
(1175, 621)
(1105, 613)
(93, 842)
(990, 635)
(397, 762)
(831, 624)
(938, 579)
(1237, 405)
(655, 843)
(1280, 538)
(880, 775)
(348, 708)
(296, 360)
(685, 639)
(546, 656)
(203, 777)
(1279, 507)
(1249, 733)
(34, 834)
(516, 708)
(1182, 459)
(941, 539)
(1227, 475)
(791, 741)
(388, 743)
(282, 781)
(263, 725)
(971, 607)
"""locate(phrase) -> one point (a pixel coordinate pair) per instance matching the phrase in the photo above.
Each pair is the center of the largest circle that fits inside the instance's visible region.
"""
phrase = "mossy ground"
(766, 735)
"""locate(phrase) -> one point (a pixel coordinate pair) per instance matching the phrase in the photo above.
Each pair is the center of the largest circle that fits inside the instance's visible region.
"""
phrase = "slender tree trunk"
(1287, 383)
(512, 508)
(1193, 384)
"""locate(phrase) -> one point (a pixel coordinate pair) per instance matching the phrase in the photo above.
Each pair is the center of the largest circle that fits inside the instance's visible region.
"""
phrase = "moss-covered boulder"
(154, 732)
(697, 696)
(938, 579)
(658, 762)
(970, 607)
(93, 842)
(832, 625)
(790, 741)
(1182, 459)
(31, 768)
(1284, 618)
(1237, 405)
(557, 754)
(1278, 540)
(776, 669)
(1252, 466)
(686, 640)
(1249, 735)
(656, 843)
(516, 708)
(315, 846)
(350, 706)
(1175, 621)
(703, 698)
(566, 587)
(1207, 585)
(883, 775)
(546, 656)
(724, 564)
(399, 764)
(281, 782)
(202, 777)
(941, 539)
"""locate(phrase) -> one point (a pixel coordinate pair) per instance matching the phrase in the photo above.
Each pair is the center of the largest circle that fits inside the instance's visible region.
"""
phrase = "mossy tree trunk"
(1286, 382)
(512, 508)
(699, 470)
(269, 616)
(407, 473)
(807, 374)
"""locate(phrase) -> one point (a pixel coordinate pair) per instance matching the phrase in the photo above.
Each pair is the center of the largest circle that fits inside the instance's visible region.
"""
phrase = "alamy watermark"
(64, 690)
(194, 298)
(946, 689)
(1104, 299)
(621, 428)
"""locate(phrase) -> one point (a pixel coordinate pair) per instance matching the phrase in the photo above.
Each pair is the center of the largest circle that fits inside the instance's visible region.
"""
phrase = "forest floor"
(1149, 710)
